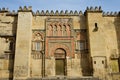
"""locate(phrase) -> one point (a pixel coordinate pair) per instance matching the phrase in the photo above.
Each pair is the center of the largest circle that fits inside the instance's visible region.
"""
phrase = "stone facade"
(52, 44)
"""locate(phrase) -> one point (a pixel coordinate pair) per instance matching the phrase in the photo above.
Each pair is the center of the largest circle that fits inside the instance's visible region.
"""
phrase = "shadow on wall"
(86, 61)
(117, 27)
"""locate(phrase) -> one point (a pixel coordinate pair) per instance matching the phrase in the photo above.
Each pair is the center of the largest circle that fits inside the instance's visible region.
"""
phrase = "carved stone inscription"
(20, 71)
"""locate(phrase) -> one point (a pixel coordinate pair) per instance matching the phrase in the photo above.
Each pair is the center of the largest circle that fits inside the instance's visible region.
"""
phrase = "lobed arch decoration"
(60, 46)
(59, 29)
(37, 36)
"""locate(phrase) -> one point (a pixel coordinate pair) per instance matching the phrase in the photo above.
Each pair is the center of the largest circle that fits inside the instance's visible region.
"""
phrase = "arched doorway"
(60, 61)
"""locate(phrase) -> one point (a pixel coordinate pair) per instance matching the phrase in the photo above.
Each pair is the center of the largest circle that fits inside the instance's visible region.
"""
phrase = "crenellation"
(87, 8)
(25, 9)
(42, 12)
(13, 13)
(71, 12)
(90, 9)
(56, 12)
(114, 14)
(100, 8)
(29, 7)
(76, 12)
(108, 13)
(20, 8)
(51, 12)
(94, 9)
(66, 12)
(111, 13)
(37, 13)
(80, 12)
(4, 9)
(62, 12)
(47, 12)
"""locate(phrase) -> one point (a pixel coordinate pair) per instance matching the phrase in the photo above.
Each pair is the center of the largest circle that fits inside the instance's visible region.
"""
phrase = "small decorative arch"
(60, 50)
(37, 36)
(60, 53)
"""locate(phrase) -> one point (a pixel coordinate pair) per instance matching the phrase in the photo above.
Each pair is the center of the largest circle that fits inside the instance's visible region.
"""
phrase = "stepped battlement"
(66, 12)
(94, 8)
(57, 12)
(111, 13)
(3, 9)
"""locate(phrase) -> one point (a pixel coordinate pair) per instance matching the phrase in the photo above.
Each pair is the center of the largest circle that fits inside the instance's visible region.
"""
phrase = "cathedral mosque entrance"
(60, 61)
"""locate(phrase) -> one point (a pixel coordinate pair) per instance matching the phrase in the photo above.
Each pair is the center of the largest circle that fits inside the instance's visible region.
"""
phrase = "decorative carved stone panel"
(36, 55)
(37, 35)
(58, 26)
(21, 71)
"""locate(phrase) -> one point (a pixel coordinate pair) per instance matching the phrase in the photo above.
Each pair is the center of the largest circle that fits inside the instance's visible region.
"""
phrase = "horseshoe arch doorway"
(60, 62)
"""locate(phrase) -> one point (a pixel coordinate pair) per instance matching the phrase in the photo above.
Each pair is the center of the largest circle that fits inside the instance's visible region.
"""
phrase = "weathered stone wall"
(74, 67)
(8, 26)
(50, 67)
(103, 42)
(36, 68)
(79, 22)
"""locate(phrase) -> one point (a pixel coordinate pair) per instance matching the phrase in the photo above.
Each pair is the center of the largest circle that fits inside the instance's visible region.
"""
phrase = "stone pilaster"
(23, 45)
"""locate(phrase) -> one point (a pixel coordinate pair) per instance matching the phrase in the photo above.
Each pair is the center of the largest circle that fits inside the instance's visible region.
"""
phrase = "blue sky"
(107, 5)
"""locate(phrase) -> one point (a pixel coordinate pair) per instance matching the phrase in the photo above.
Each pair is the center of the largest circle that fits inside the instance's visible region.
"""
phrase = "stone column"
(23, 45)
(68, 30)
